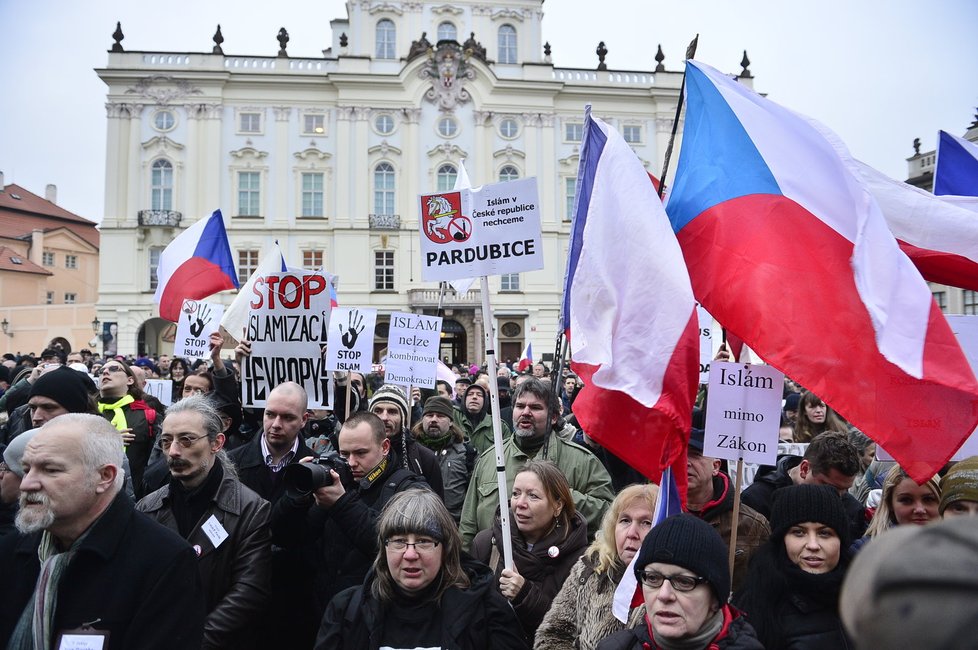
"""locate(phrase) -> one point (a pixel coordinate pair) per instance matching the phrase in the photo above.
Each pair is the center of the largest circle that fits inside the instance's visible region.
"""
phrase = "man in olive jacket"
(535, 413)
(226, 522)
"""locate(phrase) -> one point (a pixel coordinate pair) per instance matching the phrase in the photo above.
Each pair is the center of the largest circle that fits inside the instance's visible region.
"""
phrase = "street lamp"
(5, 324)
(96, 324)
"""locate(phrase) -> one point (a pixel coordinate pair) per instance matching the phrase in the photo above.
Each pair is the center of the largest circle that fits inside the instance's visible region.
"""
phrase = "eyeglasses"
(424, 546)
(679, 582)
(183, 441)
(3, 468)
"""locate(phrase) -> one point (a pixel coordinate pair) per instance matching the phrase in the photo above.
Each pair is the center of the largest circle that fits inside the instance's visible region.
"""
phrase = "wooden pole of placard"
(736, 519)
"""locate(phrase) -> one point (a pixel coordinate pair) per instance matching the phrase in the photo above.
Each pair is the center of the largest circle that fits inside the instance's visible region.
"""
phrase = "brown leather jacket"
(236, 576)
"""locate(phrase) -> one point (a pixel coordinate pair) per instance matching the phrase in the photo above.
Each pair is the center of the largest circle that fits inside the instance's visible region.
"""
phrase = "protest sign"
(708, 345)
(198, 320)
(743, 414)
(493, 230)
(351, 339)
(161, 389)
(412, 350)
(287, 327)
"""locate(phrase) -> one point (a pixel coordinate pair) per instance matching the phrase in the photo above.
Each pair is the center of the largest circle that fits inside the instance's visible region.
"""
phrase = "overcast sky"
(878, 72)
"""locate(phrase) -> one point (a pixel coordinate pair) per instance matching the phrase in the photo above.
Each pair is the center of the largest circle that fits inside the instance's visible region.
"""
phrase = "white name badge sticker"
(82, 641)
(214, 531)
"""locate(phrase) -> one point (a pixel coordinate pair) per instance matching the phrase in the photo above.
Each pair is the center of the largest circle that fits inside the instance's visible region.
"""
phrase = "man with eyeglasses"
(338, 521)
(122, 402)
(224, 521)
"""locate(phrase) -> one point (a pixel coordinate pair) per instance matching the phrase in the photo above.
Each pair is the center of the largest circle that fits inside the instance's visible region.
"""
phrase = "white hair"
(101, 443)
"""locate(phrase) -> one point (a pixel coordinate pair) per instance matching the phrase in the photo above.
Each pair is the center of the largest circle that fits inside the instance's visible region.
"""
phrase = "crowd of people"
(200, 523)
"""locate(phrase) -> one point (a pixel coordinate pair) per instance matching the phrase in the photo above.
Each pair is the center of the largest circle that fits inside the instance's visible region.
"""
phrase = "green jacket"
(589, 482)
(480, 435)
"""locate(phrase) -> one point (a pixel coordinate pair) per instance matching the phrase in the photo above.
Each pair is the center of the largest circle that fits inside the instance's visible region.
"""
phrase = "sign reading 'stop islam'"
(489, 231)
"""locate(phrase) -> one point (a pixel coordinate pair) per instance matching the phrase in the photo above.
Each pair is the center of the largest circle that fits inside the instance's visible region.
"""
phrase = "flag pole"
(497, 430)
(736, 519)
(690, 53)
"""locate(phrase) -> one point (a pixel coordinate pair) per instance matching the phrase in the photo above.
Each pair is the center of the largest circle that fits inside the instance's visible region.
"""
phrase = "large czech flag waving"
(630, 310)
(788, 250)
(195, 265)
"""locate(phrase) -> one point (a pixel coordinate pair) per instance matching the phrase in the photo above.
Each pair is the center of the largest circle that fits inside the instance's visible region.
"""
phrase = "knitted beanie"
(67, 387)
(820, 504)
(439, 404)
(394, 395)
(689, 542)
(14, 453)
(960, 483)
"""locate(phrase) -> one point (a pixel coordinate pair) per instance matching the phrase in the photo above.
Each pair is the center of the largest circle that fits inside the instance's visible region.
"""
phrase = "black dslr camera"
(305, 478)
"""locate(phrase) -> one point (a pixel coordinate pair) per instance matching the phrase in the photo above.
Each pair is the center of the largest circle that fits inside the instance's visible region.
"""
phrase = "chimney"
(37, 246)
(51, 193)
(1, 181)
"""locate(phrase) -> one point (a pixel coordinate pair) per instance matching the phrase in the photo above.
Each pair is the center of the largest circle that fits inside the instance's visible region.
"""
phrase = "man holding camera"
(224, 521)
(336, 510)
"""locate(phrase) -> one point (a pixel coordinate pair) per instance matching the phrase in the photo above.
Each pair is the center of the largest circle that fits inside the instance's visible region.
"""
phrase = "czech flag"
(633, 328)
(938, 233)
(195, 265)
(956, 169)
(526, 358)
(789, 251)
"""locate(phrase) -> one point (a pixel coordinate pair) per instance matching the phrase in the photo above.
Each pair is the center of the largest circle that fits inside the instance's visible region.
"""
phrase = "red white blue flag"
(195, 265)
(788, 249)
(956, 168)
(629, 310)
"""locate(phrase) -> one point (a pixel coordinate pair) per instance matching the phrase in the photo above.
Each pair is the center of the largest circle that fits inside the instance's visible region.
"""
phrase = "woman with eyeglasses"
(685, 578)
(791, 594)
(421, 592)
(548, 536)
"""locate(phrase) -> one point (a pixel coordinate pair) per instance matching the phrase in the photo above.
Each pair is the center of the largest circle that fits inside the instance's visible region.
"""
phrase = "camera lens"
(306, 477)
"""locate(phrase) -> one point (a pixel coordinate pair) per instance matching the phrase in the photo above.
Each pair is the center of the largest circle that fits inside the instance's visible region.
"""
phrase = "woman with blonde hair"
(420, 592)
(903, 502)
(548, 536)
(581, 612)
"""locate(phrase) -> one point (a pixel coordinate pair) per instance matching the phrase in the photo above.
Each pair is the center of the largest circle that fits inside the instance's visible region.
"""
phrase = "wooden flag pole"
(349, 390)
(497, 430)
(736, 518)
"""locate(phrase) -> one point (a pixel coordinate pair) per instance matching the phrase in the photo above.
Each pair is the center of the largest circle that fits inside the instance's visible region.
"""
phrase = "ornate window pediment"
(448, 152)
(160, 144)
(508, 14)
(312, 154)
(384, 150)
(248, 153)
(385, 7)
(451, 10)
(508, 154)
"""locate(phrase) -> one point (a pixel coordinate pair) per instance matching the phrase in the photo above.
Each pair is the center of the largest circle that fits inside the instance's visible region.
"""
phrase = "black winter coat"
(253, 472)
(736, 634)
(135, 577)
(477, 618)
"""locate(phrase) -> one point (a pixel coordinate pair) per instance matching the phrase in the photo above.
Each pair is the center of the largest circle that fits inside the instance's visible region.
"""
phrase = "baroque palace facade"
(328, 156)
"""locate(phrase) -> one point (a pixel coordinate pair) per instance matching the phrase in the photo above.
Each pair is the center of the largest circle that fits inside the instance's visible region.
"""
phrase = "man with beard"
(339, 520)
(391, 406)
(86, 558)
(709, 496)
(535, 413)
(438, 432)
(226, 522)
(474, 419)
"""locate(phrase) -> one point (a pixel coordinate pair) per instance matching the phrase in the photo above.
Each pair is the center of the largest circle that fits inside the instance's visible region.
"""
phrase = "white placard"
(965, 328)
(489, 231)
(214, 531)
(351, 339)
(743, 413)
(161, 389)
(287, 327)
(708, 338)
(412, 350)
(198, 320)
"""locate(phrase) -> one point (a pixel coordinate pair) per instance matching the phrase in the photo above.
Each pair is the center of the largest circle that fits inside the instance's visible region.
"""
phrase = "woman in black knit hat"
(685, 578)
(791, 594)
